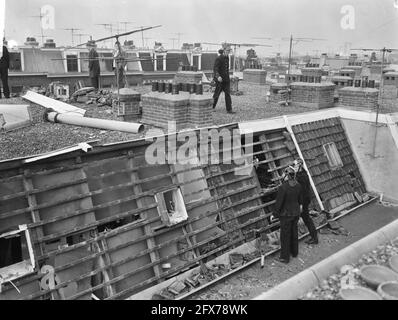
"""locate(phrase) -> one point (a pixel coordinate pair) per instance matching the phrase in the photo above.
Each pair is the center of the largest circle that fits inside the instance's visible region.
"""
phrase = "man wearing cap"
(287, 209)
(93, 64)
(222, 80)
(304, 181)
(4, 65)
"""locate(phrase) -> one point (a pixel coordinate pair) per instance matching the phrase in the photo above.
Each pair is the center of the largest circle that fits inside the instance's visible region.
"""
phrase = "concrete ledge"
(289, 290)
(304, 281)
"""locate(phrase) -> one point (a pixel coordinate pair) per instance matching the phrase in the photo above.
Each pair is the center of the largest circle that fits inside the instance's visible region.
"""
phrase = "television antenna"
(80, 35)
(72, 30)
(235, 46)
(40, 16)
(174, 39)
(297, 40)
(179, 34)
(119, 57)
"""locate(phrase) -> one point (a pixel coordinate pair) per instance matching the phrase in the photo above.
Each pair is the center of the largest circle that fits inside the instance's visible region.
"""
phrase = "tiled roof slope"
(132, 65)
(208, 60)
(335, 186)
(174, 60)
(37, 60)
(146, 65)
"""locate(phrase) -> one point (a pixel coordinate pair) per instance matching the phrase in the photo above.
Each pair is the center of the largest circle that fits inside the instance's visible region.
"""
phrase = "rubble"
(349, 275)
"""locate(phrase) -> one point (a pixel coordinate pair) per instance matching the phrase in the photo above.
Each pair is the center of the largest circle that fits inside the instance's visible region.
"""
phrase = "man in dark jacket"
(303, 179)
(221, 77)
(287, 210)
(4, 66)
(93, 64)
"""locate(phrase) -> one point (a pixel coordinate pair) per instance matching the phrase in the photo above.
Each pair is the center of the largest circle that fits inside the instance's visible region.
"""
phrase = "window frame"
(75, 57)
(22, 268)
(333, 155)
(162, 207)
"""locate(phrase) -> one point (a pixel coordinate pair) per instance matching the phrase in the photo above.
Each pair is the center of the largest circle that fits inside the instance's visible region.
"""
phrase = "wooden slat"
(142, 203)
(269, 156)
(28, 185)
(146, 251)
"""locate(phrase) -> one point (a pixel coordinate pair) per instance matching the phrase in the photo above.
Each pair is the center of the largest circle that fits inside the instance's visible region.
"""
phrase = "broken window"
(333, 155)
(16, 255)
(72, 63)
(171, 207)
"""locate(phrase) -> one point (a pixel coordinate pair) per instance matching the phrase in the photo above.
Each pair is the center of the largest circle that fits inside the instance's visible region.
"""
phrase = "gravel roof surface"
(41, 136)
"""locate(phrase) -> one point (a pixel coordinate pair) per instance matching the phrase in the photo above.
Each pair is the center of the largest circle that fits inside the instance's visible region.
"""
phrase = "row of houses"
(34, 66)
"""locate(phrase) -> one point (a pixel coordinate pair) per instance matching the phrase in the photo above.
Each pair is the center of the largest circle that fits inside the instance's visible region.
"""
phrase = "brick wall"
(129, 107)
(389, 98)
(278, 92)
(188, 77)
(187, 110)
(200, 111)
(358, 97)
(318, 95)
(256, 76)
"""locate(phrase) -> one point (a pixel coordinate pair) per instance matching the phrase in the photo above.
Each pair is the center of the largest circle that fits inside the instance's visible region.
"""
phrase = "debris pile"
(349, 275)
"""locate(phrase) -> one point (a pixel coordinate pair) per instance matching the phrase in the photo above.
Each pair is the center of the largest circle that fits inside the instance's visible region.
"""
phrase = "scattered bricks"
(278, 93)
(177, 287)
(256, 76)
(235, 260)
(358, 97)
(319, 95)
(190, 77)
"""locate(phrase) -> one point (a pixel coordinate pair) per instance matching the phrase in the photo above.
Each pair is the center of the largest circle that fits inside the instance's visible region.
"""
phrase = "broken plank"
(58, 106)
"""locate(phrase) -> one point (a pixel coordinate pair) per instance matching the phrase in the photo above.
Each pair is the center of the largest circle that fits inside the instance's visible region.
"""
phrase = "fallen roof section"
(58, 106)
(14, 116)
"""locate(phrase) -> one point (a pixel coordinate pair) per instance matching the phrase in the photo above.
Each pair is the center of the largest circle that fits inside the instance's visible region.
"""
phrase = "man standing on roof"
(93, 64)
(119, 64)
(287, 210)
(221, 77)
(4, 66)
(303, 179)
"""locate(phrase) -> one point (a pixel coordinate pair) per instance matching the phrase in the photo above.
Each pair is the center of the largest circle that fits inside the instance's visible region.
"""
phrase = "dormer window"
(171, 207)
(16, 255)
(72, 63)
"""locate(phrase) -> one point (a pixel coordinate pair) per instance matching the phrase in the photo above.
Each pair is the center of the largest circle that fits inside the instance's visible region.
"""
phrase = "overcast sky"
(376, 22)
